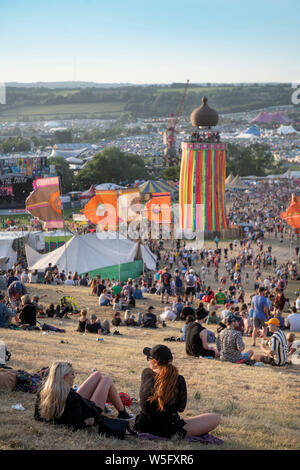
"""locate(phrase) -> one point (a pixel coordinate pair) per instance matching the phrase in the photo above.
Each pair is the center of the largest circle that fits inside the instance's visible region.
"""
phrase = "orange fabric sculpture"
(159, 208)
(292, 214)
(102, 210)
(44, 202)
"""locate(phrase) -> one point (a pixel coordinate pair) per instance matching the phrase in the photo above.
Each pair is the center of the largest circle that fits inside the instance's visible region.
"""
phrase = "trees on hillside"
(113, 166)
(66, 175)
(253, 160)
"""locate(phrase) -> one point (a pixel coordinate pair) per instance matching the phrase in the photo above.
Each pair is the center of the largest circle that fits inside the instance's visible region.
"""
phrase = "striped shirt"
(279, 345)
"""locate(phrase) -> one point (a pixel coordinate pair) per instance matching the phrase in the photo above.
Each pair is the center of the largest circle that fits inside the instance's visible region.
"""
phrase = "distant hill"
(70, 100)
(53, 85)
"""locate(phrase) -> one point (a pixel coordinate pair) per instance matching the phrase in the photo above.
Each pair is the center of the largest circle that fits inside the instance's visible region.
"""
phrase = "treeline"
(156, 100)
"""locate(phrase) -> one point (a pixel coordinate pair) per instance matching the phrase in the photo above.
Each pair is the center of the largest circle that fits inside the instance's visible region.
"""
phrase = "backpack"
(28, 383)
(190, 280)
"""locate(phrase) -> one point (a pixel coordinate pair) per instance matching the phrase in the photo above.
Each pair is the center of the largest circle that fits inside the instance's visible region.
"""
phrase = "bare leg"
(99, 388)
(88, 387)
(254, 334)
(106, 390)
(201, 424)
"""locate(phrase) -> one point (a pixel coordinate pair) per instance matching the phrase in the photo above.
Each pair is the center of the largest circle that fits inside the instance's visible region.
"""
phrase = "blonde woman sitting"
(57, 402)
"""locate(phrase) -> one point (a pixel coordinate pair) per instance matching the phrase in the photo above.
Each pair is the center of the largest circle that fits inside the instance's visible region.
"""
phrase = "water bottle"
(100, 339)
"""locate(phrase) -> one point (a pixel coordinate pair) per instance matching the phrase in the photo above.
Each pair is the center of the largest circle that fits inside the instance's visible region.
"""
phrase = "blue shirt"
(259, 302)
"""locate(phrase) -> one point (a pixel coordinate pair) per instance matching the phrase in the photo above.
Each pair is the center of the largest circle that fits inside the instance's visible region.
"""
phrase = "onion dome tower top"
(204, 116)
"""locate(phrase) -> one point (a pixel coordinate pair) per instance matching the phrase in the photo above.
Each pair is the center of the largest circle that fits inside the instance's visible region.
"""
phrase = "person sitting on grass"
(168, 314)
(137, 292)
(105, 299)
(58, 403)
(27, 315)
(196, 337)
(290, 337)
(117, 320)
(189, 319)
(82, 321)
(149, 319)
(119, 303)
(163, 395)
(129, 319)
(5, 313)
(230, 342)
(51, 311)
(275, 349)
(94, 326)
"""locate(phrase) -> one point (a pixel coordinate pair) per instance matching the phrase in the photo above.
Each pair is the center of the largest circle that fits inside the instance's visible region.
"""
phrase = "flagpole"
(118, 228)
(64, 227)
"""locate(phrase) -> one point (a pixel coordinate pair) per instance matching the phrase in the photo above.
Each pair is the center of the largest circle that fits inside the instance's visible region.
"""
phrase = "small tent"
(229, 179)
(237, 183)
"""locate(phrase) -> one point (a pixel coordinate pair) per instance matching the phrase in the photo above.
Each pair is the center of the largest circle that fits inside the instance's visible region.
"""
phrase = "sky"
(150, 41)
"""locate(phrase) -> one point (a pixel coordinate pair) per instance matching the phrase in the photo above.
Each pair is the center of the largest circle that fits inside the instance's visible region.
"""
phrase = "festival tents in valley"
(279, 118)
(236, 183)
(88, 253)
(285, 130)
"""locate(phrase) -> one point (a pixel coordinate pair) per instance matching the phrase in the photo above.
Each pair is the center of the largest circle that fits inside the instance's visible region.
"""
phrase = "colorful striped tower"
(202, 175)
(202, 181)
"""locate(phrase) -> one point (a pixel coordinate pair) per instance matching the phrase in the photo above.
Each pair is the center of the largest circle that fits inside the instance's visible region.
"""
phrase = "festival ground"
(258, 405)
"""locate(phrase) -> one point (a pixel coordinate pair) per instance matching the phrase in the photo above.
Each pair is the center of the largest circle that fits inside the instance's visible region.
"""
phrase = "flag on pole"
(44, 202)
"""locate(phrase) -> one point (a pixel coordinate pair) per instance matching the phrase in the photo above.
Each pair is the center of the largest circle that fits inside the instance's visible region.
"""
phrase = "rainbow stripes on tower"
(202, 182)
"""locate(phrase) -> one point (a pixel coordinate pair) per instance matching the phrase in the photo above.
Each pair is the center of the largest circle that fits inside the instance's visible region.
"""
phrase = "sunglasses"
(149, 358)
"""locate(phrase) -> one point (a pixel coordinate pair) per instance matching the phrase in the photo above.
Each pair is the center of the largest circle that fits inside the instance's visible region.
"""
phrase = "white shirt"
(69, 282)
(33, 278)
(298, 304)
(168, 315)
(294, 321)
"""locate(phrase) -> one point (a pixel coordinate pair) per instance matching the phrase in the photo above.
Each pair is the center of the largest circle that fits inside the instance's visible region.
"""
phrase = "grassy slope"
(258, 406)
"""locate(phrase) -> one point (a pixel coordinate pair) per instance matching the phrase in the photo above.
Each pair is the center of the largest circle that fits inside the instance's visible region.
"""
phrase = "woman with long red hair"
(163, 395)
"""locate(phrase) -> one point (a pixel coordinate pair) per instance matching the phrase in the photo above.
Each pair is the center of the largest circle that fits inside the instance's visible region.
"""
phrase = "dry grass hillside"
(259, 406)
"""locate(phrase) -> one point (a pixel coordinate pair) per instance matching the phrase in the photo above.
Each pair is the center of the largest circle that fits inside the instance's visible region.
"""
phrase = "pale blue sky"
(153, 41)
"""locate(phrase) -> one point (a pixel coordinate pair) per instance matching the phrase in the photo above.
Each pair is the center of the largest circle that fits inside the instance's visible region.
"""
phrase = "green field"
(207, 89)
(63, 110)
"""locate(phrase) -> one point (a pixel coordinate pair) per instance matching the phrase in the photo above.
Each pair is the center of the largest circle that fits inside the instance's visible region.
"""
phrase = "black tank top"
(194, 346)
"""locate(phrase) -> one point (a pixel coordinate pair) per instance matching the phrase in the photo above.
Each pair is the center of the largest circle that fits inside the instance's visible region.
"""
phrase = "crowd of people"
(194, 288)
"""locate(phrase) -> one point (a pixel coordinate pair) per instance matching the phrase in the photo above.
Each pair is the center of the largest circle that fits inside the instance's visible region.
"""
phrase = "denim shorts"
(245, 356)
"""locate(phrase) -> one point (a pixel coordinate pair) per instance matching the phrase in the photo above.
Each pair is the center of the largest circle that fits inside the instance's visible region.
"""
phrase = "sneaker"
(116, 332)
(125, 415)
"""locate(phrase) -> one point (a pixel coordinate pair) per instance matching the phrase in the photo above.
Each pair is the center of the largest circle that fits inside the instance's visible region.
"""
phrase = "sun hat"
(159, 352)
(273, 321)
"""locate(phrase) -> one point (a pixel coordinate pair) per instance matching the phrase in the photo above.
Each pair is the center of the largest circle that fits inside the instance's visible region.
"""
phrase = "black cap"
(232, 318)
(262, 289)
(159, 352)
